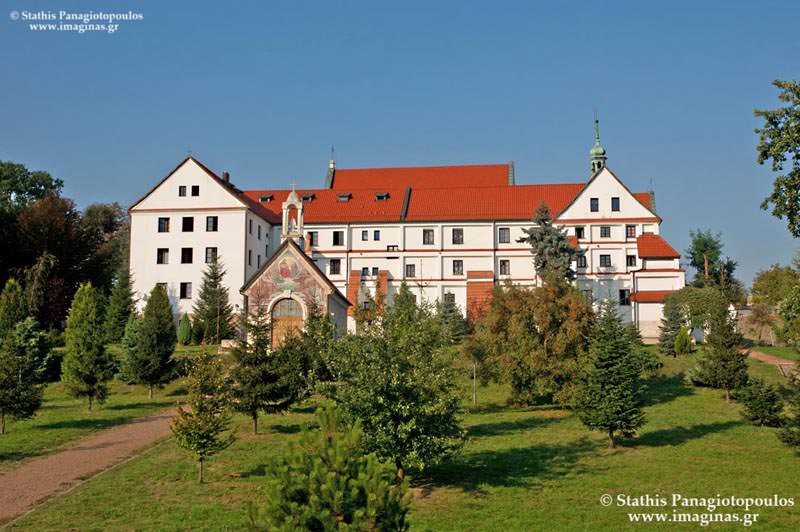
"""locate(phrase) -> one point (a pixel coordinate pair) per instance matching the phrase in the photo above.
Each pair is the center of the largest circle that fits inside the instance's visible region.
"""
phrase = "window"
(335, 267)
(186, 290)
(594, 204)
(624, 297)
(187, 224)
(258, 260)
(381, 196)
(344, 197)
(605, 261)
(212, 224)
(615, 204)
(259, 231)
(450, 298)
(364, 235)
(605, 231)
(374, 270)
(411, 270)
(458, 267)
(338, 238)
(581, 261)
(630, 231)
(162, 256)
(427, 236)
(186, 255)
(505, 267)
(182, 191)
(504, 235)
(163, 225)
(250, 226)
(195, 190)
(579, 233)
(458, 235)
(376, 234)
(630, 260)
(249, 257)
(364, 272)
(366, 305)
(313, 238)
(265, 198)
(308, 198)
(392, 247)
(211, 255)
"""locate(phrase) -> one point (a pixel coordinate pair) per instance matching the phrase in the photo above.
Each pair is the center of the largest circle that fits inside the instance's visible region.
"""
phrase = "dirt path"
(22, 488)
(784, 366)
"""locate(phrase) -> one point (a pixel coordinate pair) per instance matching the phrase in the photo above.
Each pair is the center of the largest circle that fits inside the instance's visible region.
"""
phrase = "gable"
(213, 194)
(604, 186)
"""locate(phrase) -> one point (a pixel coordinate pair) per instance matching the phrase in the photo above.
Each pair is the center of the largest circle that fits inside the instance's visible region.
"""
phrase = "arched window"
(287, 320)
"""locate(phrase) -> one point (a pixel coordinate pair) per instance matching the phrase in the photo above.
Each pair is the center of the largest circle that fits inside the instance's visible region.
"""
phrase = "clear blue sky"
(263, 89)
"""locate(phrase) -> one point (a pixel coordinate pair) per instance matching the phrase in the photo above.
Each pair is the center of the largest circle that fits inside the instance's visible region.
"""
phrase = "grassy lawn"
(63, 419)
(789, 353)
(522, 469)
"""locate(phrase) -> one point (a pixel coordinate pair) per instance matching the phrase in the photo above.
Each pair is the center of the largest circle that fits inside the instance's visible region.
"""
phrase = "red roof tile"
(650, 296)
(644, 199)
(479, 175)
(652, 246)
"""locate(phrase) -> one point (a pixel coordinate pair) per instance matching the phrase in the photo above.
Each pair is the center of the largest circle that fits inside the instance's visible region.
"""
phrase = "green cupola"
(597, 155)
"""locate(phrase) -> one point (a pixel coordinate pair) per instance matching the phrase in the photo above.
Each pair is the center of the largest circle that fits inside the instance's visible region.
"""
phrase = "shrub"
(763, 404)
(683, 342)
(185, 330)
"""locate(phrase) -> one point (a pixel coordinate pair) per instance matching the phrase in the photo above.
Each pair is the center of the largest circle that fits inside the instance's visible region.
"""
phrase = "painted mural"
(287, 273)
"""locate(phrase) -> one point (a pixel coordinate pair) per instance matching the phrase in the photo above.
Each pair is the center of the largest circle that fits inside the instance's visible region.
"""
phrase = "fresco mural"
(287, 274)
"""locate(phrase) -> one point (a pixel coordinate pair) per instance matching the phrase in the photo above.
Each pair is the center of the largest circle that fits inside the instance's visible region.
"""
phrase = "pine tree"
(763, 404)
(610, 398)
(212, 309)
(266, 379)
(317, 343)
(552, 251)
(452, 322)
(87, 367)
(120, 306)
(790, 433)
(13, 307)
(723, 366)
(151, 362)
(185, 330)
(22, 355)
(326, 482)
(200, 428)
(671, 324)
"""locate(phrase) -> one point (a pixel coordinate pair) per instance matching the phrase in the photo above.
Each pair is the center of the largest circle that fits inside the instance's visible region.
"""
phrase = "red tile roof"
(478, 175)
(652, 246)
(644, 199)
(518, 202)
(650, 296)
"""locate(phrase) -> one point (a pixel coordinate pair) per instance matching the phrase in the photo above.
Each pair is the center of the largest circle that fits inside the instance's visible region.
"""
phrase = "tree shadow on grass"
(86, 423)
(663, 389)
(517, 467)
(289, 428)
(504, 427)
(258, 471)
(180, 390)
(136, 406)
(679, 435)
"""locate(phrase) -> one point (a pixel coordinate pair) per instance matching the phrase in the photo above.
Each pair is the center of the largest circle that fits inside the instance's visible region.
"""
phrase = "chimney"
(226, 176)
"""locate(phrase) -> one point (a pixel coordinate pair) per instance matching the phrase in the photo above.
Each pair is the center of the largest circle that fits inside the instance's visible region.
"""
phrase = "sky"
(264, 89)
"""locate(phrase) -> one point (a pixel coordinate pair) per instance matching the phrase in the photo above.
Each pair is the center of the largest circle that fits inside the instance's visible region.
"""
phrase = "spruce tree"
(763, 404)
(265, 379)
(199, 429)
(671, 324)
(22, 355)
(151, 362)
(326, 482)
(120, 306)
(198, 330)
(551, 248)
(790, 433)
(13, 307)
(723, 366)
(212, 309)
(610, 397)
(185, 330)
(87, 366)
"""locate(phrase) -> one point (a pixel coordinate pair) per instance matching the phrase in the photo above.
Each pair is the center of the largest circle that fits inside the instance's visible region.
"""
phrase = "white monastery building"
(449, 232)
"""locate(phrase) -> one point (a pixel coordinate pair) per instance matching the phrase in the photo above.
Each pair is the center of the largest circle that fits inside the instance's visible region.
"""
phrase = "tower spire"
(597, 155)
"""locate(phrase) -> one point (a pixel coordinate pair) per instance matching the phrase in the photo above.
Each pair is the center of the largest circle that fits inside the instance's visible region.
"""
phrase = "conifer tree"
(198, 329)
(552, 251)
(22, 355)
(87, 367)
(120, 306)
(199, 429)
(610, 398)
(790, 433)
(763, 404)
(265, 379)
(326, 482)
(185, 330)
(723, 366)
(683, 342)
(150, 362)
(212, 309)
(452, 322)
(316, 342)
(13, 307)
(671, 325)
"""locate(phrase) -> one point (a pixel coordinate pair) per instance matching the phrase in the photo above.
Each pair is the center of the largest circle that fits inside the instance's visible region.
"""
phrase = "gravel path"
(784, 366)
(24, 487)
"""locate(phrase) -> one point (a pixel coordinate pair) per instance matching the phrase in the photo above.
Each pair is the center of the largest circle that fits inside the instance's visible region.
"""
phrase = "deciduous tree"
(13, 307)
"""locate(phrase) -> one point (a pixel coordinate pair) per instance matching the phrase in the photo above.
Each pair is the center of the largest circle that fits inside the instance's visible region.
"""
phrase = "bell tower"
(292, 225)
(597, 155)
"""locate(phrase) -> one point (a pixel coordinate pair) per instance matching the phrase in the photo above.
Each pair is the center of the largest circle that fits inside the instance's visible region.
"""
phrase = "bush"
(683, 342)
(185, 330)
(763, 404)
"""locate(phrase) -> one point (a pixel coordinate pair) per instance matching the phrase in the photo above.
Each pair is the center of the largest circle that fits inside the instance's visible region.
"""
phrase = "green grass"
(522, 469)
(789, 353)
(63, 419)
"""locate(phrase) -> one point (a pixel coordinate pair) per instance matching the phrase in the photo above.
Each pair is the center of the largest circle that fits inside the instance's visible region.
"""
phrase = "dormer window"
(381, 196)
(308, 198)
(344, 197)
(265, 198)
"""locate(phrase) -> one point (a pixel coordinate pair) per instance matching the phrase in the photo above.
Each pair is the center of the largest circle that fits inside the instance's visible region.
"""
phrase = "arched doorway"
(287, 320)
